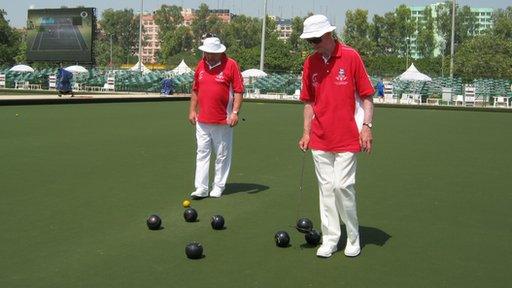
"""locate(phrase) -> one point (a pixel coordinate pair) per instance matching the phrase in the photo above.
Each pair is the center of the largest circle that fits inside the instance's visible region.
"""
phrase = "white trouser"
(220, 137)
(336, 173)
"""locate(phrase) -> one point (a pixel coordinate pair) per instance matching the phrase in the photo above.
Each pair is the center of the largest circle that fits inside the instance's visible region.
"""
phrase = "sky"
(334, 9)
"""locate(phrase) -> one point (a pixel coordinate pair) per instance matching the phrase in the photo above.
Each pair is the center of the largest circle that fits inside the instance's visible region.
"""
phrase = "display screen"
(64, 34)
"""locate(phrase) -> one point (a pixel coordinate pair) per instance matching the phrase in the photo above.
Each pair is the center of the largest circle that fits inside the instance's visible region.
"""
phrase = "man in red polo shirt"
(338, 111)
(214, 105)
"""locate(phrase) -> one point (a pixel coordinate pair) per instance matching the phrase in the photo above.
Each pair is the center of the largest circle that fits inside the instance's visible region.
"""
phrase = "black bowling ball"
(194, 250)
(313, 237)
(190, 215)
(217, 222)
(304, 225)
(154, 222)
(282, 239)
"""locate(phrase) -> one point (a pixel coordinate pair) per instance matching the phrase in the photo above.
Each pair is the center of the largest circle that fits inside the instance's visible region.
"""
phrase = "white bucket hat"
(316, 26)
(212, 45)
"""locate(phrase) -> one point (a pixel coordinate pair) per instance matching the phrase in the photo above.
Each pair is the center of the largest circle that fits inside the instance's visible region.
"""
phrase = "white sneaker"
(353, 248)
(216, 192)
(326, 251)
(199, 194)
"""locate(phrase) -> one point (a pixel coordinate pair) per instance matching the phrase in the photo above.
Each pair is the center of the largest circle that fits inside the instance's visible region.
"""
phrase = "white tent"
(76, 69)
(182, 68)
(144, 68)
(256, 73)
(22, 68)
(412, 74)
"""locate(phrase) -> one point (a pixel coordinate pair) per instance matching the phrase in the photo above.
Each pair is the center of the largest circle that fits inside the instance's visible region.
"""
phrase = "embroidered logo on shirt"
(220, 77)
(314, 80)
(201, 74)
(341, 75)
(341, 78)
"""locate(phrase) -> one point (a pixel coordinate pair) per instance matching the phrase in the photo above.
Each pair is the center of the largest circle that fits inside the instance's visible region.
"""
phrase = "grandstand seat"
(389, 95)
(2, 81)
(110, 85)
(470, 95)
(409, 98)
(500, 101)
(405, 99)
(459, 100)
(52, 82)
(21, 84)
(469, 100)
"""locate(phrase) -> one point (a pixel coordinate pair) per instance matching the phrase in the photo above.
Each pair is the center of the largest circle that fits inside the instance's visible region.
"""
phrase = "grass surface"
(78, 181)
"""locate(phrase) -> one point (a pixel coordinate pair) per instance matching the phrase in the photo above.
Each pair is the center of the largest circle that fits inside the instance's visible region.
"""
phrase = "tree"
(174, 38)
(123, 26)
(390, 35)
(485, 56)
(205, 22)
(277, 52)
(246, 57)
(168, 18)
(10, 41)
(405, 30)
(243, 31)
(300, 48)
(425, 37)
(465, 24)
(357, 31)
(277, 56)
(294, 40)
(21, 55)
(385, 66)
(503, 23)
(375, 34)
(102, 52)
(176, 41)
(384, 33)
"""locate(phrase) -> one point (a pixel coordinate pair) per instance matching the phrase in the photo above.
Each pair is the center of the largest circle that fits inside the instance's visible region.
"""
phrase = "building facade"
(151, 44)
(151, 40)
(483, 16)
(283, 27)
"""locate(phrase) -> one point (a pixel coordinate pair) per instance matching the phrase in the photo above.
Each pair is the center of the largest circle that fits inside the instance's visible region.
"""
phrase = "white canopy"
(144, 68)
(76, 69)
(182, 68)
(412, 74)
(22, 68)
(253, 73)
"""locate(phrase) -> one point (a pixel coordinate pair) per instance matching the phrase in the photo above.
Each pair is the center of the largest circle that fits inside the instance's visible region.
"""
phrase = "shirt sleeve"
(238, 81)
(307, 92)
(363, 84)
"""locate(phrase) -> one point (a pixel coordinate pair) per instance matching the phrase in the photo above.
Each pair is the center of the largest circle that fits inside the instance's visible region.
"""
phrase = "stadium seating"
(286, 85)
(278, 83)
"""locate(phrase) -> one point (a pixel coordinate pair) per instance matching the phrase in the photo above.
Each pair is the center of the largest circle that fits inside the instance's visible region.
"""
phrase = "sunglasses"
(315, 40)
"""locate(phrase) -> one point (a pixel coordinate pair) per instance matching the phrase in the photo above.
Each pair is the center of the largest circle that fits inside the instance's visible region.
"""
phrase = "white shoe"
(326, 251)
(353, 248)
(216, 192)
(199, 194)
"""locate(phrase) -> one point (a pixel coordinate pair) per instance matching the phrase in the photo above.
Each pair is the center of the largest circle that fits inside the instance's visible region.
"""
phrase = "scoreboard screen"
(64, 34)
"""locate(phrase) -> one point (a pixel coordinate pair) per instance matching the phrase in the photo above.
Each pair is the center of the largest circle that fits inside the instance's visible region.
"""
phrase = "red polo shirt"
(215, 87)
(333, 88)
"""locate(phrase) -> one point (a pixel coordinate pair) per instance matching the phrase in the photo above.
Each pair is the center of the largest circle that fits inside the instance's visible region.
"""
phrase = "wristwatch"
(369, 125)
(235, 112)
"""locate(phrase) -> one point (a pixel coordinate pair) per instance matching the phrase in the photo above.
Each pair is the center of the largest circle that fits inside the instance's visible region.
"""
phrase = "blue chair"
(64, 78)
(167, 86)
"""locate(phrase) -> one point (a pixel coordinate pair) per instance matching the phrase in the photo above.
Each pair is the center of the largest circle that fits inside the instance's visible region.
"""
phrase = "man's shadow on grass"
(371, 235)
(251, 188)
(367, 235)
